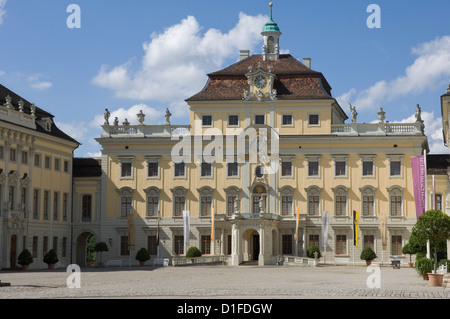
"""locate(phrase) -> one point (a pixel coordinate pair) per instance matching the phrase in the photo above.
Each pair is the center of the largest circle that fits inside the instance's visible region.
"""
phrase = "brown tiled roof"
(294, 81)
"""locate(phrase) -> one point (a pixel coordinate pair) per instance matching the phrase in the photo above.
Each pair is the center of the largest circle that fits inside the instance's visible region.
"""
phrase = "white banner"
(325, 223)
(186, 227)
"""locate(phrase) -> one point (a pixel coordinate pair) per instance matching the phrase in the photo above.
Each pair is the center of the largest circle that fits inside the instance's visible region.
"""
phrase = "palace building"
(35, 182)
(266, 158)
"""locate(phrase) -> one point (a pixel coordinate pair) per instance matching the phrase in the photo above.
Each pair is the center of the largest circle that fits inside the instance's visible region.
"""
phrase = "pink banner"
(418, 172)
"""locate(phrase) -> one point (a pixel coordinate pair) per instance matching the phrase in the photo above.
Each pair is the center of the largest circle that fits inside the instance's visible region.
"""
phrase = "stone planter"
(435, 280)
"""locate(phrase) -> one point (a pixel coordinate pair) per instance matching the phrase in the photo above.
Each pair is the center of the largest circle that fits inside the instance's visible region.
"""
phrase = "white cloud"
(2, 10)
(429, 71)
(175, 62)
(43, 85)
(433, 130)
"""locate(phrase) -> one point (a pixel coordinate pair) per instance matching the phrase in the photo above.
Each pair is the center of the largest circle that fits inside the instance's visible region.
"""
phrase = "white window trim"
(396, 191)
(200, 171)
(125, 192)
(292, 120)
(314, 125)
(287, 160)
(126, 160)
(314, 191)
(212, 120)
(395, 158)
(259, 114)
(153, 160)
(370, 158)
(182, 176)
(340, 191)
(228, 120)
(152, 192)
(313, 159)
(368, 191)
(238, 171)
(340, 159)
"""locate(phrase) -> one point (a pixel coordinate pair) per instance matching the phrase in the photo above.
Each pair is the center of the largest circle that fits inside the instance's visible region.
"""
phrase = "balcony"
(136, 131)
(382, 129)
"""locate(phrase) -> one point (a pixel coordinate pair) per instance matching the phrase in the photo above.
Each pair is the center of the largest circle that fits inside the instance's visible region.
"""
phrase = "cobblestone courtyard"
(216, 282)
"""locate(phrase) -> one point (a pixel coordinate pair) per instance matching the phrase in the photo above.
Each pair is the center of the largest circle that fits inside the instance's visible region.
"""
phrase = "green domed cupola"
(271, 34)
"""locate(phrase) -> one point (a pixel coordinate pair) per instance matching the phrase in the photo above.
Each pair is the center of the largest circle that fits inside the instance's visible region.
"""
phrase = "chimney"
(244, 54)
(307, 62)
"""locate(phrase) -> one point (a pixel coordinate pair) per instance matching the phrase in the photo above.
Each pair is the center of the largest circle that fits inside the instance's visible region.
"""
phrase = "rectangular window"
(313, 168)
(286, 168)
(206, 169)
(286, 205)
(125, 206)
(125, 170)
(233, 169)
(368, 168)
(86, 208)
(256, 200)
(233, 120)
(55, 206)
(47, 162)
(179, 205)
(65, 205)
(396, 205)
(55, 244)
(341, 244)
(23, 198)
(179, 244)
(12, 155)
(24, 157)
(66, 166)
(179, 169)
(152, 245)
(341, 204)
(287, 120)
(396, 168)
(153, 169)
(36, 204)
(340, 168)
(369, 241)
(44, 245)
(313, 205)
(124, 246)
(368, 204)
(313, 119)
(396, 245)
(207, 120)
(230, 204)
(152, 206)
(64, 247)
(11, 197)
(438, 200)
(260, 119)
(37, 160)
(229, 245)
(205, 209)
(57, 164)
(206, 245)
(286, 244)
(314, 240)
(35, 246)
(1, 152)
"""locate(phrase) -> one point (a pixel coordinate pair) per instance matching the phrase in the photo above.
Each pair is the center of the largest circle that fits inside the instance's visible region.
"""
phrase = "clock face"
(260, 82)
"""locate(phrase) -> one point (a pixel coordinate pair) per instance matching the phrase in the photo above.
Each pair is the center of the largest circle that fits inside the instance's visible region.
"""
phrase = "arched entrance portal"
(251, 245)
(85, 249)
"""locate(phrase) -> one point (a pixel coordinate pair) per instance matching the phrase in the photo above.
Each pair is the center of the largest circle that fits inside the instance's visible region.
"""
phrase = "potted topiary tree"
(193, 252)
(313, 249)
(424, 266)
(409, 249)
(142, 255)
(100, 247)
(51, 258)
(25, 259)
(368, 255)
(433, 226)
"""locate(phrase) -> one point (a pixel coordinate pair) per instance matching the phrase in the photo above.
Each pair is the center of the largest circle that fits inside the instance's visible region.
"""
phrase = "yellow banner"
(355, 228)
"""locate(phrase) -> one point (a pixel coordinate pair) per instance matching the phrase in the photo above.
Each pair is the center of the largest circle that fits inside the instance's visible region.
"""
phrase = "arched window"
(340, 201)
(206, 199)
(287, 201)
(152, 195)
(313, 197)
(270, 45)
(179, 201)
(395, 200)
(368, 201)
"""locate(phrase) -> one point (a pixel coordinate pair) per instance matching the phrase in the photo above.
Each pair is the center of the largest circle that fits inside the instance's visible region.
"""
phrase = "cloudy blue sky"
(149, 55)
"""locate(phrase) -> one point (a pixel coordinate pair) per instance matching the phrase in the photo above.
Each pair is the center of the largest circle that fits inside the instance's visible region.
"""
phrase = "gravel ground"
(221, 282)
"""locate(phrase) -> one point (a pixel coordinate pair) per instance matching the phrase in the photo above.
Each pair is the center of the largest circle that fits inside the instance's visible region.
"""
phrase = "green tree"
(434, 226)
